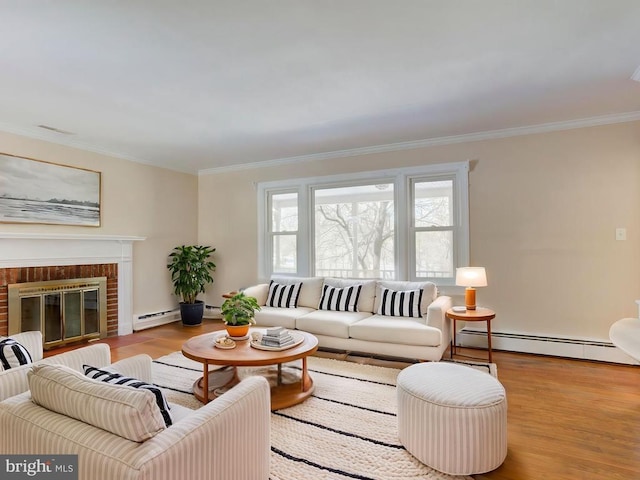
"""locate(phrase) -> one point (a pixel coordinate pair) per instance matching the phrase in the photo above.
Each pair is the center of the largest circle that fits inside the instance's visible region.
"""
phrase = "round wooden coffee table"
(202, 349)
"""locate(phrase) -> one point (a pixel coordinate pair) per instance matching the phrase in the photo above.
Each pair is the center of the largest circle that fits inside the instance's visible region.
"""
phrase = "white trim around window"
(404, 243)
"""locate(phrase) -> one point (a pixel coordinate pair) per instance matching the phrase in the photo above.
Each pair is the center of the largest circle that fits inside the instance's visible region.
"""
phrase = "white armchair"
(14, 381)
(625, 334)
(227, 439)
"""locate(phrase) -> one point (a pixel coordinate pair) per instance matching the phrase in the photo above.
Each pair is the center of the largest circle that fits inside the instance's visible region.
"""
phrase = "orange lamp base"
(470, 298)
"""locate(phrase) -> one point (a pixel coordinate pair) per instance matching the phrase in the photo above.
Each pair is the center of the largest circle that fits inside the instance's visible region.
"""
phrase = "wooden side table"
(478, 315)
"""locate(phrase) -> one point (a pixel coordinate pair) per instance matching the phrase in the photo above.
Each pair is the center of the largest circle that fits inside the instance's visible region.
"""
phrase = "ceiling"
(205, 85)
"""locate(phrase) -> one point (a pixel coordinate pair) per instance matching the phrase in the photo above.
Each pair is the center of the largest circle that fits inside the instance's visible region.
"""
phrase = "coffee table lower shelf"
(283, 395)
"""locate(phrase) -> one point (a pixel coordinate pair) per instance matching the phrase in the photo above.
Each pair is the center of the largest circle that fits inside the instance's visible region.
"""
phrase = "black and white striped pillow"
(117, 379)
(13, 354)
(340, 299)
(284, 296)
(400, 303)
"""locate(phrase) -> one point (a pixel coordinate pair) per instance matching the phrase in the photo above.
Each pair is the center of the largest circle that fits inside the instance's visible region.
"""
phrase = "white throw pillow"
(131, 413)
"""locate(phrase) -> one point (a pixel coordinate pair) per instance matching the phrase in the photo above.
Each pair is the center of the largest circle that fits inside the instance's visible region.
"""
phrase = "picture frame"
(36, 191)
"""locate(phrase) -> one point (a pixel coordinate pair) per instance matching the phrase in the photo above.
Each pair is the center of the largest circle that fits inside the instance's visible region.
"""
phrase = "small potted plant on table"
(190, 272)
(238, 312)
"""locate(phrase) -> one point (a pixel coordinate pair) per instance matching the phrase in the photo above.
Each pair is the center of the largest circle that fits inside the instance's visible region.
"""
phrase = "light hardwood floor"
(567, 419)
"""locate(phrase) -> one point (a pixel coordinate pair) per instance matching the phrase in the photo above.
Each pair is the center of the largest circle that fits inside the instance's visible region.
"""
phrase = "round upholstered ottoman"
(452, 418)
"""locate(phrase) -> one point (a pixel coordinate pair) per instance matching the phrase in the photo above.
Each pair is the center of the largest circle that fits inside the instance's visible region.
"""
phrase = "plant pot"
(192, 313)
(237, 330)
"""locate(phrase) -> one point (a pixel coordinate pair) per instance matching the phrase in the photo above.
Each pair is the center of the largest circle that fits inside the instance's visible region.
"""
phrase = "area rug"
(346, 430)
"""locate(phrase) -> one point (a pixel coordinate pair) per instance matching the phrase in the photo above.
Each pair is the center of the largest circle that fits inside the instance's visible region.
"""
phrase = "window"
(283, 232)
(432, 229)
(403, 224)
(354, 231)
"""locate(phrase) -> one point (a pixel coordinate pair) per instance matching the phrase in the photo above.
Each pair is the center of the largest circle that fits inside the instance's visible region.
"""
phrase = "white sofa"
(424, 338)
(213, 442)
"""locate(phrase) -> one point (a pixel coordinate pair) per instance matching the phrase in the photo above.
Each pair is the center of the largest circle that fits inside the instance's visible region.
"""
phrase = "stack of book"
(277, 337)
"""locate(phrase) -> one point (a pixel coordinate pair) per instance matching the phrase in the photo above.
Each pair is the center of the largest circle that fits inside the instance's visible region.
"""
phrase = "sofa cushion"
(340, 299)
(110, 376)
(13, 354)
(310, 291)
(429, 292)
(280, 317)
(401, 330)
(330, 323)
(403, 303)
(367, 293)
(128, 412)
(259, 292)
(283, 296)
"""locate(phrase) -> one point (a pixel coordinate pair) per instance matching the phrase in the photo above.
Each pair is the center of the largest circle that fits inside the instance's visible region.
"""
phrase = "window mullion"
(402, 232)
(305, 232)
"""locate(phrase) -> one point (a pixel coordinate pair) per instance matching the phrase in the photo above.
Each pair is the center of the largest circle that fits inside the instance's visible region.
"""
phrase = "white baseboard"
(142, 322)
(556, 346)
(148, 320)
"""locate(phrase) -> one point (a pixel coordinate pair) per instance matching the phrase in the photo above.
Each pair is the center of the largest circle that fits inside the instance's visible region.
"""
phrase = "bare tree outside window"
(433, 228)
(354, 231)
(284, 232)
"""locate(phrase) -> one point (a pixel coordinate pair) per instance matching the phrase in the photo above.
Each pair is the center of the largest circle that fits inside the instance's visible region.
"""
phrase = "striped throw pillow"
(284, 296)
(117, 379)
(340, 299)
(400, 303)
(131, 413)
(13, 354)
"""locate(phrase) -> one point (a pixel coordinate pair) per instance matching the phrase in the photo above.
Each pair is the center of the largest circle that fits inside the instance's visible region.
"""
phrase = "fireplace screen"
(63, 310)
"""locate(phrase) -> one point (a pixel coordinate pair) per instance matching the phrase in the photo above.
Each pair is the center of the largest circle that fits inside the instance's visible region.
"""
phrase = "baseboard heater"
(155, 319)
(545, 345)
(148, 320)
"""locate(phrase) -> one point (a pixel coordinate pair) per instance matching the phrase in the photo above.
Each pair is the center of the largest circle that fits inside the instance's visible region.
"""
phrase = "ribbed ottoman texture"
(452, 418)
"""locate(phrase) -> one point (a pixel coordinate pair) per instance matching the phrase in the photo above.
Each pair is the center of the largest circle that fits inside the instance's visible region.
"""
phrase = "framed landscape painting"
(33, 191)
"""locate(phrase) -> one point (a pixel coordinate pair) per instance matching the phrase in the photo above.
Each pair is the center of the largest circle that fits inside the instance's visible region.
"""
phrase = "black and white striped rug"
(346, 430)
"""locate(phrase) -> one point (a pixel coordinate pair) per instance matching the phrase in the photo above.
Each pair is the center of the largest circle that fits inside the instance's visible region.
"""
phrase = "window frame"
(404, 225)
(413, 230)
(271, 233)
(348, 183)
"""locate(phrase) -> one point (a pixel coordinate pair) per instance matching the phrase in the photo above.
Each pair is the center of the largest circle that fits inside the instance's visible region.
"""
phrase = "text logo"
(49, 467)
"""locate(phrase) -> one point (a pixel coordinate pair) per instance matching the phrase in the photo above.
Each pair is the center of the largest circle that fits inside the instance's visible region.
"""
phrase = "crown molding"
(69, 141)
(391, 147)
(69, 236)
(438, 141)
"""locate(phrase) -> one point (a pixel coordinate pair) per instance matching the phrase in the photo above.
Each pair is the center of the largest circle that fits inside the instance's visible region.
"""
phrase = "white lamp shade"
(471, 277)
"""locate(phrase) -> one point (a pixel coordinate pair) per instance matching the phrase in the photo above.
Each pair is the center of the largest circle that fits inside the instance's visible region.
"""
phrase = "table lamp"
(471, 277)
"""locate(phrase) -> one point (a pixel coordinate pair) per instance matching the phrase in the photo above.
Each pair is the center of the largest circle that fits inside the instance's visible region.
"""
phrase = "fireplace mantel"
(44, 249)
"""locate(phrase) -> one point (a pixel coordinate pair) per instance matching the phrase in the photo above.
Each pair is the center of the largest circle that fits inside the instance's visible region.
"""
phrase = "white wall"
(137, 200)
(543, 210)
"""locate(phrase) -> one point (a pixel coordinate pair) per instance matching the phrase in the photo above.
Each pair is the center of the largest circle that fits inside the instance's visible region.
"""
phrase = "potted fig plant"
(238, 312)
(191, 270)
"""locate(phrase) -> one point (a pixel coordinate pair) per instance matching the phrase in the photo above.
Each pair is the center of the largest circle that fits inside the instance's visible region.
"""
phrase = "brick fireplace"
(34, 257)
(10, 276)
